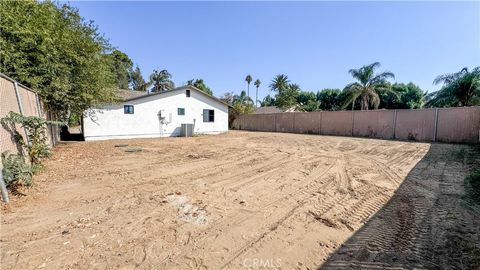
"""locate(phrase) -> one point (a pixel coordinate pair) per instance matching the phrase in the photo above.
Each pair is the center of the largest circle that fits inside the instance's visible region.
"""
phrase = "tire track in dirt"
(276, 217)
(405, 232)
(265, 193)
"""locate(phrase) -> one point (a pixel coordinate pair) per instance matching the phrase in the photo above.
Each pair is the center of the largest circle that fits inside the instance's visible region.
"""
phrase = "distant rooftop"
(267, 109)
(124, 94)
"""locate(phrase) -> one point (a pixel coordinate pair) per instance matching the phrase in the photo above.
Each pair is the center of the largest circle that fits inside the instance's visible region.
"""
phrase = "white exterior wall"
(112, 123)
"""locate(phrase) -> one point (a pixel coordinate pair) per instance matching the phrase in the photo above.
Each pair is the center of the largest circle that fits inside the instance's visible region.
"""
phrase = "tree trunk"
(364, 103)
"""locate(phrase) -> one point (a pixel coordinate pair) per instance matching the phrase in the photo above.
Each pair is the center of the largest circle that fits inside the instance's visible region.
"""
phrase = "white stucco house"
(161, 114)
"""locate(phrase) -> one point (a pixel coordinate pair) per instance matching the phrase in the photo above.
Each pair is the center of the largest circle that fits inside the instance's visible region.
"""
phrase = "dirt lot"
(244, 200)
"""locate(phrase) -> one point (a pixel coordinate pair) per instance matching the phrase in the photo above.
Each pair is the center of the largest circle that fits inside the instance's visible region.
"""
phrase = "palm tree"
(248, 79)
(243, 98)
(368, 87)
(161, 81)
(459, 89)
(279, 83)
(257, 84)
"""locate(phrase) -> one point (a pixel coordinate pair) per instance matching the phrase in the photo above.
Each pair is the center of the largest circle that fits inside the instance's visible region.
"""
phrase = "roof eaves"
(191, 87)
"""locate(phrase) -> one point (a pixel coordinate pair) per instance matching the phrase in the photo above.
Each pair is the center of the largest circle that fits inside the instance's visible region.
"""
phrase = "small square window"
(187, 93)
(181, 111)
(128, 109)
(208, 116)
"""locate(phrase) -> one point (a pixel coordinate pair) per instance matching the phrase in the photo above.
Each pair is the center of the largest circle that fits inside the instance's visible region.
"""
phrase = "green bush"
(36, 131)
(16, 171)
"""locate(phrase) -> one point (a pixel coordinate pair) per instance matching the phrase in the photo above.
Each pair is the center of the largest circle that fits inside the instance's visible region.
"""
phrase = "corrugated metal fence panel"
(374, 124)
(307, 122)
(337, 123)
(458, 124)
(417, 125)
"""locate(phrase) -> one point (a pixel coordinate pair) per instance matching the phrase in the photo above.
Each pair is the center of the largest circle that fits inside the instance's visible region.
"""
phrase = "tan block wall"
(374, 124)
(284, 122)
(337, 123)
(417, 125)
(306, 122)
(9, 102)
(263, 122)
(459, 125)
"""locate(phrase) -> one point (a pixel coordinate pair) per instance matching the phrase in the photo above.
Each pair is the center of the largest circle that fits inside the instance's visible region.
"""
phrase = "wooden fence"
(453, 125)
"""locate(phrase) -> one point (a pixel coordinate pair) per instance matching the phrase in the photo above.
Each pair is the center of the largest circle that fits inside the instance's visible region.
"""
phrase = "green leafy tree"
(368, 87)
(200, 84)
(52, 49)
(408, 96)
(268, 101)
(242, 107)
(161, 81)
(459, 89)
(136, 80)
(286, 92)
(242, 98)
(241, 104)
(307, 101)
(257, 85)
(121, 65)
(329, 99)
(248, 79)
(287, 97)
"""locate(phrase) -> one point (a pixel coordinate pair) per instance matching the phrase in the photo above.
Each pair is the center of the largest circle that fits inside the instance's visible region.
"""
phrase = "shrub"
(36, 130)
(16, 171)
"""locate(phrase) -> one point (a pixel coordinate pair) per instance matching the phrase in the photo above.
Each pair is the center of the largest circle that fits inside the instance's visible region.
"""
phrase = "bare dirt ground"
(244, 200)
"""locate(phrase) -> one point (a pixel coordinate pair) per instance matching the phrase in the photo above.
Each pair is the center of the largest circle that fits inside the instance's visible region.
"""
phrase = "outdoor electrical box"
(187, 130)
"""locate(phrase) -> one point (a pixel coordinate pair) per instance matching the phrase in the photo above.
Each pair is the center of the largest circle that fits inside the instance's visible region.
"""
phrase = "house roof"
(124, 94)
(267, 109)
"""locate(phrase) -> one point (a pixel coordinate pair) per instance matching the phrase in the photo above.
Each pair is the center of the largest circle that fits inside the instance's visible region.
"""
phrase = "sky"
(313, 43)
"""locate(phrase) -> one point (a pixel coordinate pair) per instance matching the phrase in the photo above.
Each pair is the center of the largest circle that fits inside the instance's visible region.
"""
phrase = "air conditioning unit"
(187, 130)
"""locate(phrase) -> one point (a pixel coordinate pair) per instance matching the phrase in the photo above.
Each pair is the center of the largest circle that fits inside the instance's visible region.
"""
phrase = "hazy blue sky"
(314, 43)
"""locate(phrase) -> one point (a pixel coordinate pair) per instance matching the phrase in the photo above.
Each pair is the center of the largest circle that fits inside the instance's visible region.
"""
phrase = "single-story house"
(161, 114)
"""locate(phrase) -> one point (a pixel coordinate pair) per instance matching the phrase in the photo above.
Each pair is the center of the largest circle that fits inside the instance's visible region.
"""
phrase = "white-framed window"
(181, 111)
(128, 109)
(208, 115)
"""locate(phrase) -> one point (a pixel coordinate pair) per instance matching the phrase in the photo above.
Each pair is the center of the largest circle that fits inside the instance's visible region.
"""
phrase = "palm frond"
(353, 91)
